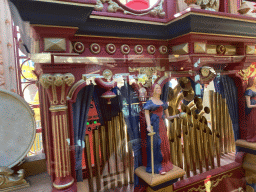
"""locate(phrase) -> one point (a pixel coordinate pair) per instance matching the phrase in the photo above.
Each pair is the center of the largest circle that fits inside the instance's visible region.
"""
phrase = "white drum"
(17, 128)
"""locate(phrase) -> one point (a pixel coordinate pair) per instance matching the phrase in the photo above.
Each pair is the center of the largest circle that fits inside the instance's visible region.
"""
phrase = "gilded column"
(56, 88)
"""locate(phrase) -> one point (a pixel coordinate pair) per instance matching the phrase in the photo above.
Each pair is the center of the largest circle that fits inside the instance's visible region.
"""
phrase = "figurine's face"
(157, 89)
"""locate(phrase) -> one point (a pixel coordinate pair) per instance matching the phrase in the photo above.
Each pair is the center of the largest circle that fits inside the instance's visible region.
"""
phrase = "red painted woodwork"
(138, 4)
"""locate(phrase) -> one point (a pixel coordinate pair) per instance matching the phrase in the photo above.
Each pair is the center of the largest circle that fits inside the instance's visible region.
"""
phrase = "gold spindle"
(97, 158)
(88, 162)
(192, 141)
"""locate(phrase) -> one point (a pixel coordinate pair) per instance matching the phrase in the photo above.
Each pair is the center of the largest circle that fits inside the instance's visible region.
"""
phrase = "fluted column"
(56, 88)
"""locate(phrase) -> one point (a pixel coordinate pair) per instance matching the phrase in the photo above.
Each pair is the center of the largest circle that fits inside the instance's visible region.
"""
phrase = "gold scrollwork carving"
(201, 188)
(114, 7)
(57, 79)
(46, 80)
(246, 73)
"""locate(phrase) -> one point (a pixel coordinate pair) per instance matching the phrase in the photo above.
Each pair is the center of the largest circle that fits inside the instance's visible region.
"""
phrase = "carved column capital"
(56, 86)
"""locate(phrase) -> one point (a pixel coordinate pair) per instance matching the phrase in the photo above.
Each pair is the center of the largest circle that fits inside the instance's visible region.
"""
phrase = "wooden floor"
(42, 182)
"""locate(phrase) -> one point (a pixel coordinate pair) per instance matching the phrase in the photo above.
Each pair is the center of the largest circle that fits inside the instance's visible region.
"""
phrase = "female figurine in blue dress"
(155, 113)
(250, 111)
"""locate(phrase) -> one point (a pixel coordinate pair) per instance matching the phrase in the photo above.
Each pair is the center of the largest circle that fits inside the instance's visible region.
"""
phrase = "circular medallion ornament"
(138, 49)
(125, 49)
(107, 74)
(111, 48)
(95, 48)
(163, 49)
(221, 49)
(78, 47)
(151, 49)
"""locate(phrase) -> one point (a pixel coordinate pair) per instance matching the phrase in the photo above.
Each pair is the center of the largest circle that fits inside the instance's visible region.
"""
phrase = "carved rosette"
(56, 88)
(138, 49)
(78, 47)
(125, 49)
(95, 48)
(151, 49)
(163, 49)
(111, 48)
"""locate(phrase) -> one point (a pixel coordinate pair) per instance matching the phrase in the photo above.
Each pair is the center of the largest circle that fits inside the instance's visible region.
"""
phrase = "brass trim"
(66, 3)
(57, 108)
(58, 144)
(55, 147)
(62, 145)
(63, 186)
(121, 37)
(211, 178)
(57, 26)
(124, 19)
(73, 88)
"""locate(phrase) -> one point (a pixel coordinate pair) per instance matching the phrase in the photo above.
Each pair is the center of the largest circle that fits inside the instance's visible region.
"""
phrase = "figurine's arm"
(248, 102)
(170, 117)
(147, 116)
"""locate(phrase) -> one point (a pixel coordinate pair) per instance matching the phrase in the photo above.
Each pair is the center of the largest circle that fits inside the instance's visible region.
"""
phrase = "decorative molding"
(113, 7)
(211, 49)
(54, 44)
(151, 49)
(95, 48)
(201, 188)
(73, 88)
(250, 49)
(199, 47)
(138, 49)
(230, 50)
(163, 49)
(111, 48)
(180, 49)
(125, 49)
(78, 47)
